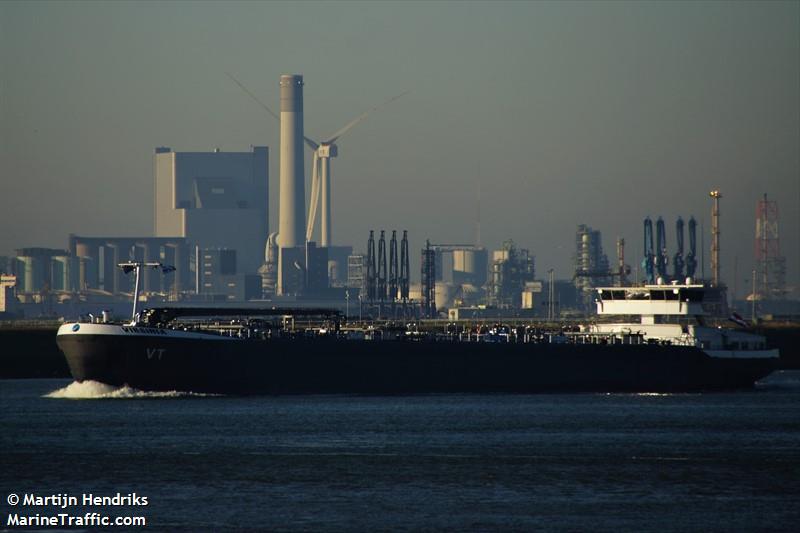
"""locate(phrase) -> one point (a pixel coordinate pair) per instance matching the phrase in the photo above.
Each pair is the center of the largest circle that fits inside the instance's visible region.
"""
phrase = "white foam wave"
(95, 390)
(781, 379)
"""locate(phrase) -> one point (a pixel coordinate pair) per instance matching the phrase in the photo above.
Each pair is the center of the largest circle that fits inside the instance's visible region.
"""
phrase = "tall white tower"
(292, 178)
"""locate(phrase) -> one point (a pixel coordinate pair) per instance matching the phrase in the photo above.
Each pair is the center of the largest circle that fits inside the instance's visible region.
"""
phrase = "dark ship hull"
(168, 360)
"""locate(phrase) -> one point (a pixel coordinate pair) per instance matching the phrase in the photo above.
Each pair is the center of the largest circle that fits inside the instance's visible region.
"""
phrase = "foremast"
(136, 267)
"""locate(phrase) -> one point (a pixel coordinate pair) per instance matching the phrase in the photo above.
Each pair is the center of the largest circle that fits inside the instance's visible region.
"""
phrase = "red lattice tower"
(770, 265)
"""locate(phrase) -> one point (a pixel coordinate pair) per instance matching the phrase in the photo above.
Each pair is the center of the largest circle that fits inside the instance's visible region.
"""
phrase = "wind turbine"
(323, 151)
(321, 176)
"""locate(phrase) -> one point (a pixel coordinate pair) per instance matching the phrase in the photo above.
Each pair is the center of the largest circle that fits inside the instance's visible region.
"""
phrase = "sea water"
(577, 462)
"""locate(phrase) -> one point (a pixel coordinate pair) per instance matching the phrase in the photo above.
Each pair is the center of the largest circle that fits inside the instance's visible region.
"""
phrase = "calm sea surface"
(682, 462)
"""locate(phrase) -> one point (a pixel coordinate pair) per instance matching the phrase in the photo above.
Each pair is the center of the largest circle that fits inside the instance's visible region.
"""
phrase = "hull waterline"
(320, 365)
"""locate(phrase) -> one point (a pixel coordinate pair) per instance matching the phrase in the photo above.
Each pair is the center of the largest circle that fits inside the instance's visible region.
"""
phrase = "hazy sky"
(564, 113)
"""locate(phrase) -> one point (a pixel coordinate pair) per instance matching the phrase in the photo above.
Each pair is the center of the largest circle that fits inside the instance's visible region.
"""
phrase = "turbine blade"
(313, 145)
(254, 97)
(361, 117)
(314, 200)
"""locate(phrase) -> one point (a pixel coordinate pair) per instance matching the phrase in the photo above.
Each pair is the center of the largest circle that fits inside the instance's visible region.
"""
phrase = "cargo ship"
(287, 351)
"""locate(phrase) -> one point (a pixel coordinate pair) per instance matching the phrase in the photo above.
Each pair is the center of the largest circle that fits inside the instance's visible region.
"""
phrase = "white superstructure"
(674, 314)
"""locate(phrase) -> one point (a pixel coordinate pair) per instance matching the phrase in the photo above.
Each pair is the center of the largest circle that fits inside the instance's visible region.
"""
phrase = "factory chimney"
(292, 207)
(715, 278)
(292, 178)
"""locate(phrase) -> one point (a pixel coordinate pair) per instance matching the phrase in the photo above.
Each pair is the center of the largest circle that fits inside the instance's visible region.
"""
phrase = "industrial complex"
(211, 223)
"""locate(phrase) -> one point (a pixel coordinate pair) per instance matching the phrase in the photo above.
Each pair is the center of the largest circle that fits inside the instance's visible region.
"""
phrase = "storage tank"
(470, 294)
(334, 267)
(60, 272)
(88, 276)
(415, 292)
(470, 266)
(464, 260)
(444, 295)
(26, 278)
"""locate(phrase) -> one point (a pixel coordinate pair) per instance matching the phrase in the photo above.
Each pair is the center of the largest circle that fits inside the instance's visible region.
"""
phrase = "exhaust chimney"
(292, 178)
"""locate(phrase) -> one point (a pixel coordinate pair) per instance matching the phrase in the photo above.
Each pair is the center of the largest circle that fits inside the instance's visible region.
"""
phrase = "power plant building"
(95, 259)
(338, 264)
(217, 278)
(215, 200)
(43, 270)
(316, 270)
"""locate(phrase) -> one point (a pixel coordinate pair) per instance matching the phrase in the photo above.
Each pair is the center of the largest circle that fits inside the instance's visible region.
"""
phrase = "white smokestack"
(292, 209)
